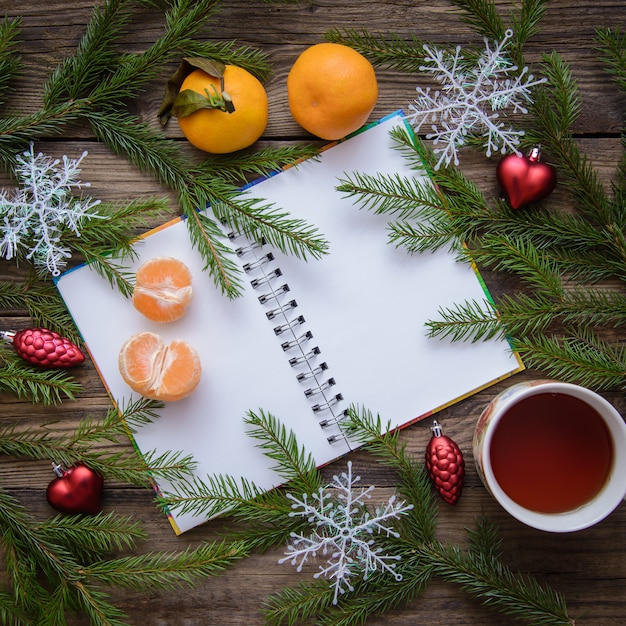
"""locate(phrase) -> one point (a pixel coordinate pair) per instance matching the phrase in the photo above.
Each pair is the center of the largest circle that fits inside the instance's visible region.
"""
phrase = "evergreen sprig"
(478, 570)
(43, 386)
(571, 266)
(64, 564)
(96, 83)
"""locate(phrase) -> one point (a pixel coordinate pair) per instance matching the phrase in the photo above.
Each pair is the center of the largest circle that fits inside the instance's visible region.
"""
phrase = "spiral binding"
(305, 357)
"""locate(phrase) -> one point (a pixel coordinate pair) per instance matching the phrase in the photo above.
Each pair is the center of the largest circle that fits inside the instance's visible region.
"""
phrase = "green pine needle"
(26, 382)
(581, 358)
(387, 49)
(167, 570)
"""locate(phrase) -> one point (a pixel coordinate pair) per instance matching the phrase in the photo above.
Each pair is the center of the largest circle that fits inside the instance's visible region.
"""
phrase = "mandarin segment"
(162, 289)
(157, 370)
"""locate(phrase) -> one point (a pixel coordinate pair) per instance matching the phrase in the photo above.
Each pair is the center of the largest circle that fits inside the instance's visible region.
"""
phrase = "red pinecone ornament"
(43, 347)
(445, 465)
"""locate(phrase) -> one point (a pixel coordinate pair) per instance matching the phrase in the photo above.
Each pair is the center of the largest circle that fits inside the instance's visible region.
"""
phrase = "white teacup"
(537, 442)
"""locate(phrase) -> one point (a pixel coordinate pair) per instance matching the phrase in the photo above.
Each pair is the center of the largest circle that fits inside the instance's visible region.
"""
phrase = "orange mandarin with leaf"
(159, 371)
(222, 114)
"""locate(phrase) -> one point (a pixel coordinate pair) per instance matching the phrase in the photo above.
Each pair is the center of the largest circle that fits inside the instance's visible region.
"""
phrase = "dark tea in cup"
(552, 454)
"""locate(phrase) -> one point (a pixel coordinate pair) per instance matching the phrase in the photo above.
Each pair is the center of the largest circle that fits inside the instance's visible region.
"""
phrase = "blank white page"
(364, 304)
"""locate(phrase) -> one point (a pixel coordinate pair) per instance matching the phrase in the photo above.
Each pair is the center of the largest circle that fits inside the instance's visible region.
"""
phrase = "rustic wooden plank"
(588, 567)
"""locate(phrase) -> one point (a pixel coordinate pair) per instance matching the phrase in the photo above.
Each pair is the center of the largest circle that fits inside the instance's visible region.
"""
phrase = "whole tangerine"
(217, 131)
(332, 89)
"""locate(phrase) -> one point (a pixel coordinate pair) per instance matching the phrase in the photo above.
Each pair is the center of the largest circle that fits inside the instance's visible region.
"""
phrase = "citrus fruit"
(162, 289)
(217, 131)
(159, 371)
(332, 89)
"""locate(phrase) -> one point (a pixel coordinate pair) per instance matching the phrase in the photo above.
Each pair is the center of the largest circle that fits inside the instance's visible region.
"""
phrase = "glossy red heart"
(525, 179)
(75, 490)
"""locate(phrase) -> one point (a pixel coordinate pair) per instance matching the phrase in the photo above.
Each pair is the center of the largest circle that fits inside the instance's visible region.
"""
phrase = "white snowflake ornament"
(471, 99)
(343, 531)
(42, 209)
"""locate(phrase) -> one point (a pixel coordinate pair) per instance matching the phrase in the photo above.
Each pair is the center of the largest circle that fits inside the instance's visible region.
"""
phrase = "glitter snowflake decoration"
(36, 215)
(343, 530)
(471, 99)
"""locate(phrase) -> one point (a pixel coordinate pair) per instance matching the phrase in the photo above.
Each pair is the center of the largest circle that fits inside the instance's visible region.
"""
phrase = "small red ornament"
(77, 489)
(445, 465)
(525, 179)
(43, 347)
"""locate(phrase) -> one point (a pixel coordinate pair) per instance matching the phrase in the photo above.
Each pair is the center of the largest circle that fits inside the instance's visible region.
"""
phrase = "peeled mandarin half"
(159, 371)
(162, 289)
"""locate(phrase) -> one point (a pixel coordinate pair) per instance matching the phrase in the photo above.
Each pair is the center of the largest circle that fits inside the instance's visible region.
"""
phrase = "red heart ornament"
(524, 179)
(77, 489)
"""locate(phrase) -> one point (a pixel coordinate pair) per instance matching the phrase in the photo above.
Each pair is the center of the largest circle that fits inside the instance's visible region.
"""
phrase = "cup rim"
(605, 501)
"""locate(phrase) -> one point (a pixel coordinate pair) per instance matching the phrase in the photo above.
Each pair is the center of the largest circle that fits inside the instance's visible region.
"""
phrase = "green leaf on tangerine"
(173, 85)
(188, 101)
(213, 68)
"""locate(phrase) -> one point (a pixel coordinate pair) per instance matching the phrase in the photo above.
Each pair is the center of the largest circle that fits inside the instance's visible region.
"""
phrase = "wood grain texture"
(589, 567)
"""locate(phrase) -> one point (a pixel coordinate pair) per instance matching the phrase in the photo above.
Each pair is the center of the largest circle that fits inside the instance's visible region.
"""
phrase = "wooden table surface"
(588, 567)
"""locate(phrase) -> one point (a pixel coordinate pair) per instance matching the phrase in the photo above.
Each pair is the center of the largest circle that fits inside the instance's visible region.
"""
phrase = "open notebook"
(307, 339)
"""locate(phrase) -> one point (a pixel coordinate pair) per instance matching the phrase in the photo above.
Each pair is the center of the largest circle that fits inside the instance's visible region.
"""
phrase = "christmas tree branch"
(85, 444)
(591, 360)
(42, 386)
(495, 584)
(612, 45)
(91, 536)
(387, 50)
(478, 570)
(169, 570)
(95, 84)
(9, 61)
(56, 549)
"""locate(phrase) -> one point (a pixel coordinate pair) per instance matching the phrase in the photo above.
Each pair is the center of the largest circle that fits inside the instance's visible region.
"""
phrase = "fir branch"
(88, 537)
(293, 462)
(16, 133)
(11, 295)
(482, 16)
(470, 320)
(210, 496)
(387, 50)
(42, 302)
(259, 220)
(496, 585)
(518, 255)
(84, 444)
(612, 45)
(167, 570)
(414, 485)
(582, 357)
(42, 386)
(95, 55)
(293, 604)
(379, 595)
(525, 24)
(556, 107)
(10, 613)
(391, 194)
(237, 166)
(9, 61)
(115, 238)
(251, 59)
(426, 235)
(207, 237)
